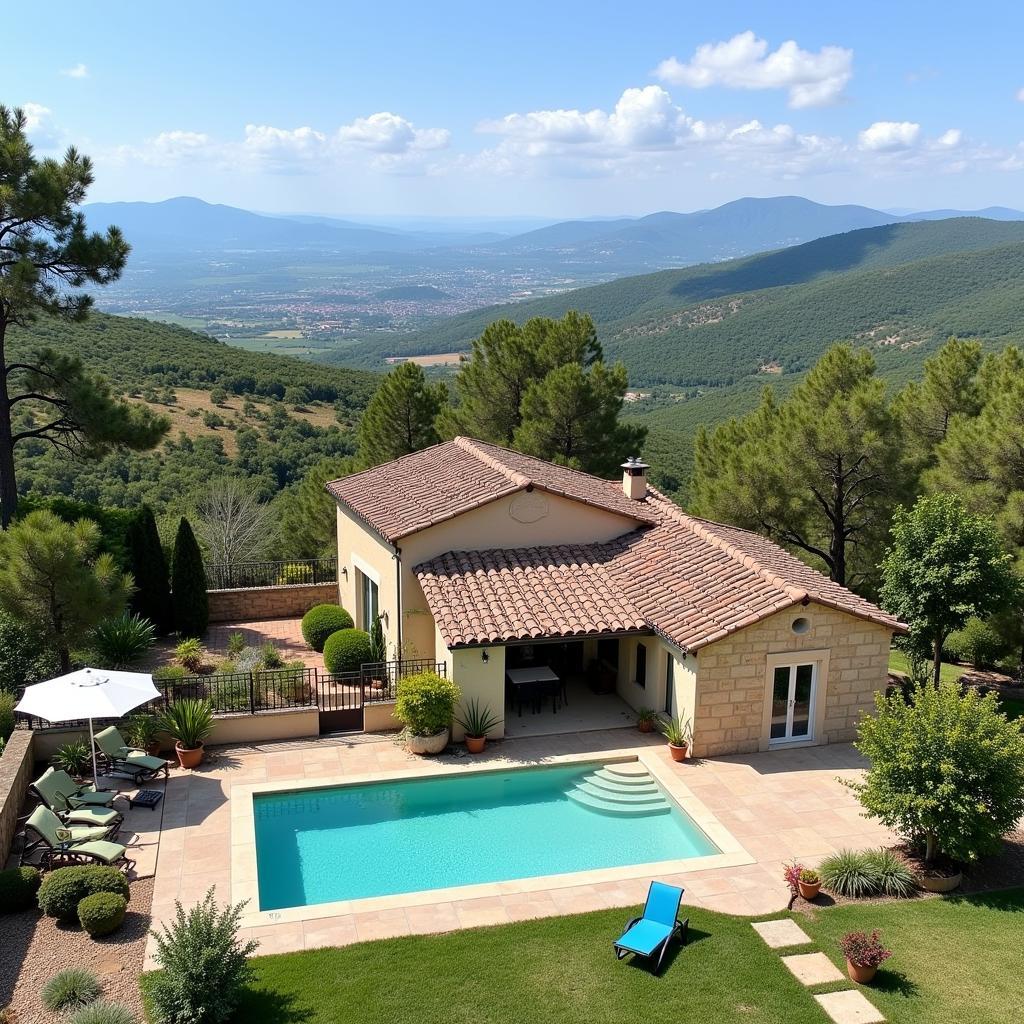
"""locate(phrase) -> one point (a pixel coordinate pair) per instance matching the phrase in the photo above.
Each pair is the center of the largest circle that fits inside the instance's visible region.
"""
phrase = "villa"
(497, 565)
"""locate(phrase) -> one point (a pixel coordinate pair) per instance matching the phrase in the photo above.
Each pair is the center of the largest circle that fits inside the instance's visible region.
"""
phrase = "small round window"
(801, 625)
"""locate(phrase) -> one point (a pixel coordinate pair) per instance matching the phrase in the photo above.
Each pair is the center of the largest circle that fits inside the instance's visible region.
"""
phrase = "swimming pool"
(353, 842)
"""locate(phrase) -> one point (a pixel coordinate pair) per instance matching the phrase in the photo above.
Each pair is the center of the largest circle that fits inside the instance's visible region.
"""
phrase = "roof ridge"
(701, 529)
(468, 444)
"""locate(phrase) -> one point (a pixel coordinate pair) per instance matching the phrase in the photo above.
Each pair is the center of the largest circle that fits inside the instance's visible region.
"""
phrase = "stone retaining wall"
(256, 603)
(16, 765)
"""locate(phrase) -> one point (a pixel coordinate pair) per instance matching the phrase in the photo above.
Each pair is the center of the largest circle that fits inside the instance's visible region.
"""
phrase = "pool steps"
(620, 789)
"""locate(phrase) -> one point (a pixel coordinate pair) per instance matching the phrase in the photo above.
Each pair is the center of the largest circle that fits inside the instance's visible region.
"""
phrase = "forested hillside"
(268, 417)
(709, 323)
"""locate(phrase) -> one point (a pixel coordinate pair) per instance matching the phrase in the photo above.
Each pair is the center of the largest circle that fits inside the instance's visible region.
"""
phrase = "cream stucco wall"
(480, 680)
(733, 685)
(532, 519)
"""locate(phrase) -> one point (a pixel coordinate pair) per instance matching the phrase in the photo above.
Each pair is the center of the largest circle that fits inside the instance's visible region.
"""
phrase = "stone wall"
(256, 603)
(732, 711)
(16, 766)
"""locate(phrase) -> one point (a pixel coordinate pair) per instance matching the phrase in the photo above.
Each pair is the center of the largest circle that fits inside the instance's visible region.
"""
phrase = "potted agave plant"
(477, 721)
(863, 954)
(646, 719)
(678, 734)
(190, 722)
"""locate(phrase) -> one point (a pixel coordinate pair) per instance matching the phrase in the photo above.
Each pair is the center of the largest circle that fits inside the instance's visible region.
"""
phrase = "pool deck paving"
(761, 810)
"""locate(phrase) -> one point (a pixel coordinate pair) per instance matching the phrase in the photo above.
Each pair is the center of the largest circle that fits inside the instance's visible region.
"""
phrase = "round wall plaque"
(528, 507)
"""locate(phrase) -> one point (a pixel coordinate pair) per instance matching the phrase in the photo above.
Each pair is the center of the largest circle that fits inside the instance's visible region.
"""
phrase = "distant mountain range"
(607, 247)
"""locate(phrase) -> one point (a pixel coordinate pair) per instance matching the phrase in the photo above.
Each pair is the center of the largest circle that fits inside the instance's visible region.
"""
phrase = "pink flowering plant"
(791, 873)
(864, 950)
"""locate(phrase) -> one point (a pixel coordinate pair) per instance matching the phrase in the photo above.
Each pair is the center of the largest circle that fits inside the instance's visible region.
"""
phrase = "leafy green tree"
(53, 580)
(945, 565)
(45, 254)
(946, 770)
(152, 597)
(820, 472)
(188, 584)
(400, 417)
(306, 514)
(571, 416)
(505, 360)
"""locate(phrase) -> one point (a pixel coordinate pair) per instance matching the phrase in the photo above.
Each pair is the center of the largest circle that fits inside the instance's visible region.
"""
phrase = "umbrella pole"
(92, 747)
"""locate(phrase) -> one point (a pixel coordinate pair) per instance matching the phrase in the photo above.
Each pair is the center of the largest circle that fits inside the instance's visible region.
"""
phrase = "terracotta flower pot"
(645, 726)
(940, 883)
(153, 749)
(428, 744)
(189, 758)
(808, 890)
(678, 753)
(859, 974)
(476, 744)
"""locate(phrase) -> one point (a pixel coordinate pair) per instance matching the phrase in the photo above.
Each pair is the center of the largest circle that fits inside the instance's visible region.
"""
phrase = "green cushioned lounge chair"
(58, 843)
(58, 791)
(118, 758)
(649, 935)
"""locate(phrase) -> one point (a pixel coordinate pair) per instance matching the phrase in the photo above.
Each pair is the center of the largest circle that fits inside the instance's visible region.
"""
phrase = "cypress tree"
(188, 584)
(152, 597)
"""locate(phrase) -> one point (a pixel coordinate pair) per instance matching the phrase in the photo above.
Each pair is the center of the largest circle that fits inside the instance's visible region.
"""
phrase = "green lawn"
(955, 960)
(949, 673)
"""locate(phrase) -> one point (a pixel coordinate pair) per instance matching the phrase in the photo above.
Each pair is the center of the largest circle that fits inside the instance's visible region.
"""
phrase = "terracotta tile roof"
(439, 483)
(692, 581)
(486, 597)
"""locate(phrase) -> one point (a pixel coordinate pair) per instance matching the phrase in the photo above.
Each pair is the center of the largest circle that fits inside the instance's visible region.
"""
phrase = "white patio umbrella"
(88, 693)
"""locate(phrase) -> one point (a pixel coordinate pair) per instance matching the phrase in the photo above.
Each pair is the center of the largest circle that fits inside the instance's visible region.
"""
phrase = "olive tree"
(946, 770)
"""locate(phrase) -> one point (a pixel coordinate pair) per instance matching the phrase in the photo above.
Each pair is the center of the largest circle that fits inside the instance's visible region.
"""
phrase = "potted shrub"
(425, 705)
(73, 757)
(142, 731)
(677, 733)
(189, 722)
(863, 954)
(646, 719)
(477, 722)
(809, 883)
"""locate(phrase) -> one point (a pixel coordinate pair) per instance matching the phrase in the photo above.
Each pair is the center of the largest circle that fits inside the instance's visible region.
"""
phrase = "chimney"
(634, 478)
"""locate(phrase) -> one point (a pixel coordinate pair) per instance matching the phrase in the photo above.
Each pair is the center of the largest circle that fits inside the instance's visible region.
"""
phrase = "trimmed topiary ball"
(18, 888)
(346, 650)
(62, 890)
(321, 621)
(102, 913)
(70, 989)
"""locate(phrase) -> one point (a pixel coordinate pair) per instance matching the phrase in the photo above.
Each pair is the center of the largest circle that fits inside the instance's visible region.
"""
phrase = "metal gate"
(341, 696)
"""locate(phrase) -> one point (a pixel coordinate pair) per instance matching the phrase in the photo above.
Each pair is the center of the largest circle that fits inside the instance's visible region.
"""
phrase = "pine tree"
(188, 584)
(572, 417)
(45, 251)
(152, 597)
(399, 419)
(820, 472)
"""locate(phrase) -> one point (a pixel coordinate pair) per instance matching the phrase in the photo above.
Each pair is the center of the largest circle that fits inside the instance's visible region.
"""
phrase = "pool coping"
(245, 887)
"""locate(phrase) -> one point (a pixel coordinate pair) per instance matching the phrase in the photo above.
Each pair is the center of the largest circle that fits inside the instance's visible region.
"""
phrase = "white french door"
(793, 695)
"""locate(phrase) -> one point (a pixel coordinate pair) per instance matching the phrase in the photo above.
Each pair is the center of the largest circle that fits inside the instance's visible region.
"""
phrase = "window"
(670, 678)
(641, 665)
(369, 605)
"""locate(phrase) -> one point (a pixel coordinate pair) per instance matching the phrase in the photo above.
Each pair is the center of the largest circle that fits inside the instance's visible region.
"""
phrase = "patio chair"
(70, 844)
(118, 758)
(74, 805)
(649, 935)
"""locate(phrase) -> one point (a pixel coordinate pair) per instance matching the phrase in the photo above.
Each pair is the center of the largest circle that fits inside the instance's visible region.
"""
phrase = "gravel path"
(34, 948)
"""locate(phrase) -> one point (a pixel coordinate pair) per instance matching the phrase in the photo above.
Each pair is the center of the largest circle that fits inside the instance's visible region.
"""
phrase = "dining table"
(531, 684)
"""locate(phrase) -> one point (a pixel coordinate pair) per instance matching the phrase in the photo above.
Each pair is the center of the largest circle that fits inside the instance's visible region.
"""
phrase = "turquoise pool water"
(351, 842)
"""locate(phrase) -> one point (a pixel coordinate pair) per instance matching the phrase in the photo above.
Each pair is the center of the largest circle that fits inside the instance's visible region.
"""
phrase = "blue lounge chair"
(648, 936)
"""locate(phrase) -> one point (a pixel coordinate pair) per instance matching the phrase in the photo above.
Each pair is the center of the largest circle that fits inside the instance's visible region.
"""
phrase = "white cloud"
(388, 133)
(40, 126)
(1020, 95)
(950, 139)
(744, 62)
(643, 119)
(76, 71)
(283, 149)
(889, 136)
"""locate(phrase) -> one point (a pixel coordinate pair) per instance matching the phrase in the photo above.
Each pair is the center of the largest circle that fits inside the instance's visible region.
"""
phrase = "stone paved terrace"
(776, 806)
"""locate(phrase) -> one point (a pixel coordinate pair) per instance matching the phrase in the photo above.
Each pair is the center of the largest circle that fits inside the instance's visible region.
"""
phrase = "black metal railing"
(374, 683)
(292, 573)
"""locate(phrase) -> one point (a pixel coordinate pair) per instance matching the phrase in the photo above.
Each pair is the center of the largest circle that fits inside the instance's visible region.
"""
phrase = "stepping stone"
(850, 1007)
(779, 934)
(109, 965)
(813, 968)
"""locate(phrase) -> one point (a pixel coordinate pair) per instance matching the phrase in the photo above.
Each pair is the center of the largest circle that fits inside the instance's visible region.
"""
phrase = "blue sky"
(551, 109)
